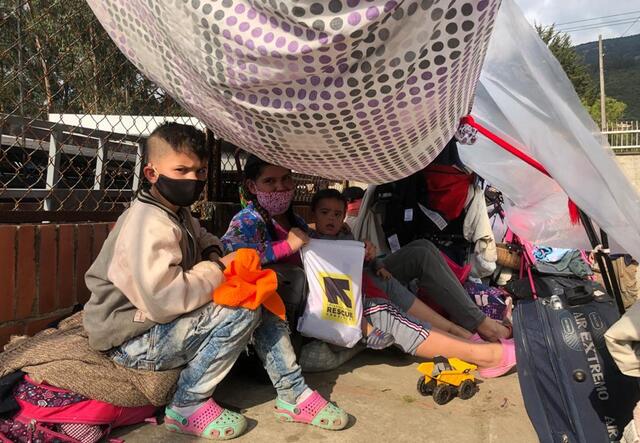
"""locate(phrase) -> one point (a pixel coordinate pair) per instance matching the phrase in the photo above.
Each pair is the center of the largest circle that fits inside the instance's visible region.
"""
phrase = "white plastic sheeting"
(525, 97)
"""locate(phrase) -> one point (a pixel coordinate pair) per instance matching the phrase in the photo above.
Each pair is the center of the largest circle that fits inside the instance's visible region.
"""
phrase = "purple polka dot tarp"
(352, 89)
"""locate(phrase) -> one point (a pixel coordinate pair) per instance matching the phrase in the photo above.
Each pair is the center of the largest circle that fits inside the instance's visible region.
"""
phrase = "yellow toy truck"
(446, 378)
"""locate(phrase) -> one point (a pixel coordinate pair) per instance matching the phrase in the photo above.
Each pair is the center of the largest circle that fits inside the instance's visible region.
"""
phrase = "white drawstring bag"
(334, 307)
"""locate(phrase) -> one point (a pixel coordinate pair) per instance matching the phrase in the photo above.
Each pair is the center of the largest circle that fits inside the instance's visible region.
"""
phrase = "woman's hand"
(369, 251)
(384, 274)
(297, 238)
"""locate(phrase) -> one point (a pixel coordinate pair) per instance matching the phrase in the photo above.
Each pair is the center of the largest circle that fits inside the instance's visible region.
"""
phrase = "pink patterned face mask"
(275, 203)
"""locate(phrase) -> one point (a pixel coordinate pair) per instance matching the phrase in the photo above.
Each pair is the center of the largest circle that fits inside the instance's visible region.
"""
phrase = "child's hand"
(369, 251)
(227, 259)
(297, 238)
(384, 274)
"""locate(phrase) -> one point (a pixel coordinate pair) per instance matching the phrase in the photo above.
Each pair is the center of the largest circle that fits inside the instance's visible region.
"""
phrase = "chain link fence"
(74, 114)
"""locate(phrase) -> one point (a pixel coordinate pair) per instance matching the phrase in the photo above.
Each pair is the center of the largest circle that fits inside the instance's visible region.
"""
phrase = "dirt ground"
(378, 389)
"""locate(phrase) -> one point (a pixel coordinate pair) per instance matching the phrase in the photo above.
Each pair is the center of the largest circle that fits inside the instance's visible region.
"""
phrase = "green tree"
(55, 57)
(574, 66)
(613, 108)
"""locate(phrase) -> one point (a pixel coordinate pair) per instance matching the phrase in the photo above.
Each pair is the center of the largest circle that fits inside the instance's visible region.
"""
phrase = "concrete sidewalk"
(379, 390)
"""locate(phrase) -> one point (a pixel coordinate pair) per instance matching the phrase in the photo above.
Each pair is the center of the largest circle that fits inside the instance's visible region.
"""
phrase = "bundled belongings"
(70, 392)
(64, 359)
(477, 231)
(623, 341)
(492, 301)
(318, 356)
(626, 270)
(49, 414)
(556, 261)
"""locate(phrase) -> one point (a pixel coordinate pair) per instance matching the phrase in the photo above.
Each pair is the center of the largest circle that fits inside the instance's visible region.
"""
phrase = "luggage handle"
(579, 295)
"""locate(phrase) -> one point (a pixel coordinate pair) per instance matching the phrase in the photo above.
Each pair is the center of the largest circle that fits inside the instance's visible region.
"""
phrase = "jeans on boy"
(273, 345)
(207, 341)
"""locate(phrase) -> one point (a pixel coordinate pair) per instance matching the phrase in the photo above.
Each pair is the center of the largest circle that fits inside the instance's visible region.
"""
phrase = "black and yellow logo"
(338, 302)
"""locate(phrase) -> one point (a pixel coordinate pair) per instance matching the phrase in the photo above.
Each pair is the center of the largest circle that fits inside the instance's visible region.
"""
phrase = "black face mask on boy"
(180, 192)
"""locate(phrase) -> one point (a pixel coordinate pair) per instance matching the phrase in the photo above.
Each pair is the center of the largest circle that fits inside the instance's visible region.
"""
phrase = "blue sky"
(560, 11)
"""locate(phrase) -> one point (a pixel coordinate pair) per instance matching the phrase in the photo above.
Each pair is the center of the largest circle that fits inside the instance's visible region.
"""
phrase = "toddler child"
(386, 320)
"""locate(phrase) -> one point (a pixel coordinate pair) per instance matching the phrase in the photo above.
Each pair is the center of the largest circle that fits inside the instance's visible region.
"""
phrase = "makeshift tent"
(373, 91)
(525, 97)
(367, 91)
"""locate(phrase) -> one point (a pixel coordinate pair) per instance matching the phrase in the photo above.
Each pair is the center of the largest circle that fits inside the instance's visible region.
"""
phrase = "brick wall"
(42, 272)
(42, 269)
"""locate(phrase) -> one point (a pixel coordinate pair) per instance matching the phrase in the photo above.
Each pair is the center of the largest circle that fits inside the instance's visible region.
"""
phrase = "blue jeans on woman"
(272, 343)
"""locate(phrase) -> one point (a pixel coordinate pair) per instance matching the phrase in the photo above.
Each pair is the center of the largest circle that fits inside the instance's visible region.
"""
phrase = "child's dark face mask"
(179, 177)
(180, 192)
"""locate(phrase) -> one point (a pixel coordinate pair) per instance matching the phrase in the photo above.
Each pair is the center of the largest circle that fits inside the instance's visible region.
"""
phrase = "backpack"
(52, 415)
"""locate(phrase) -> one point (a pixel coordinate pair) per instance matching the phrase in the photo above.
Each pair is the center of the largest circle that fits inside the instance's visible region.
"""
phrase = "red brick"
(100, 232)
(83, 261)
(7, 272)
(7, 331)
(48, 271)
(35, 326)
(26, 278)
(66, 246)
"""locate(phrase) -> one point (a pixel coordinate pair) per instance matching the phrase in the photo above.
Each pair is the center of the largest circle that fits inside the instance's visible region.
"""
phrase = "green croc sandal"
(210, 421)
(315, 410)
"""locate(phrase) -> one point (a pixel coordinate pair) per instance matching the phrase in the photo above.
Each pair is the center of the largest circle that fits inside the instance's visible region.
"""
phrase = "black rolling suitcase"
(572, 389)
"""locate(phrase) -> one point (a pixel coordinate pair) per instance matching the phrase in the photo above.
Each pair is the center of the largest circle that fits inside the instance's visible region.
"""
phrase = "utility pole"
(603, 112)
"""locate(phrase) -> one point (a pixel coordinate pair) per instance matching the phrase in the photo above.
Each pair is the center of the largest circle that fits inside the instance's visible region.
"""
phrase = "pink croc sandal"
(209, 421)
(507, 362)
(315, 410)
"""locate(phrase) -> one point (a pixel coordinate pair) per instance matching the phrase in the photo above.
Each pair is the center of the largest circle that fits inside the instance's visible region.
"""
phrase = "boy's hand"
(297, 238)
(227, 259)
(384, 274)
(369, 251)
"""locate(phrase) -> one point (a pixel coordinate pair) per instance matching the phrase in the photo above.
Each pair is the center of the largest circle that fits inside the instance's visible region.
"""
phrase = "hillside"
(622, 70)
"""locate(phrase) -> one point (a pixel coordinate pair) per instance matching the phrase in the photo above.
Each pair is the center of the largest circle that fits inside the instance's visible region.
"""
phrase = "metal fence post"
(137, 170)
(53, 170)
(101, 165)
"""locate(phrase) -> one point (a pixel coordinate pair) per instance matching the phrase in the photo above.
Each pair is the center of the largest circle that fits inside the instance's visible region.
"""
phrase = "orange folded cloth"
(249, 286)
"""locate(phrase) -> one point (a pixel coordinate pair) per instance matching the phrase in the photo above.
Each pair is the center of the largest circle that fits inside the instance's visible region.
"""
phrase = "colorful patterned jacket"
(249, 230)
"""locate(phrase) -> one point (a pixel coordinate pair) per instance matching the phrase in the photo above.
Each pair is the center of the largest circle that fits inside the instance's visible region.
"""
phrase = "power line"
(600, 25)
(597, 18)
(630, 26)
(605, 23)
